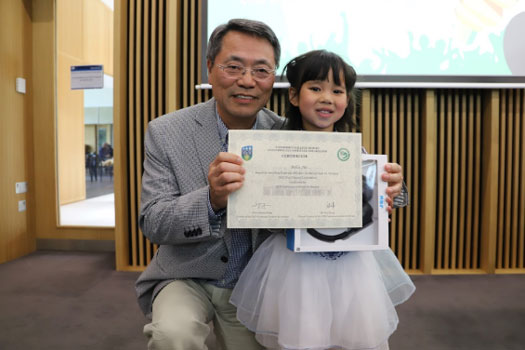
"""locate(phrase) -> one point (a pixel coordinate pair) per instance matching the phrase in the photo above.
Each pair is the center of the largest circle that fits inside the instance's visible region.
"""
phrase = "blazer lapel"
(208, 145)
(206, 136)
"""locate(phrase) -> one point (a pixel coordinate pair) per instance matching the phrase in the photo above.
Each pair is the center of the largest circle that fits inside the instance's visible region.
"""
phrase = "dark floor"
(463, 312)
(72, 300)
(62, 300)
(99, 186)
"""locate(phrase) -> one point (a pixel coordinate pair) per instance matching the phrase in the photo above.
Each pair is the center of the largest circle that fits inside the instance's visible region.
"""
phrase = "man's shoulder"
(269, 119)
(183, 115)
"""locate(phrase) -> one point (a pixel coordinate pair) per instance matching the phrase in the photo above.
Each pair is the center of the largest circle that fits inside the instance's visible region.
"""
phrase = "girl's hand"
(394, 177)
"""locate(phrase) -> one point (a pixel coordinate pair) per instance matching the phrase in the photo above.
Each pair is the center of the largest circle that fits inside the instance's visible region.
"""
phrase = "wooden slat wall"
(391, 125)
(446, 141)
(511, 185)
(458, 214)
(190, 55)
(145, 98)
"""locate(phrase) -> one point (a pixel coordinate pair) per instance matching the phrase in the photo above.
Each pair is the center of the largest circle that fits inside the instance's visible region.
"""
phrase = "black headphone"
(368, 213)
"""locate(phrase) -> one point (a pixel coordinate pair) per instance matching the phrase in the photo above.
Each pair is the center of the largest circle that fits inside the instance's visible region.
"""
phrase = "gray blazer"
(179, 148)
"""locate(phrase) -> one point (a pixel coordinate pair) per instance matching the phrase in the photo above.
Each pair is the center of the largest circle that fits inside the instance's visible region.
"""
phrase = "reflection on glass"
(85, 117)
(97, 209)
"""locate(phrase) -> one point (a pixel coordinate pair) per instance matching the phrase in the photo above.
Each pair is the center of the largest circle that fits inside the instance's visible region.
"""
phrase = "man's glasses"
(235, 71)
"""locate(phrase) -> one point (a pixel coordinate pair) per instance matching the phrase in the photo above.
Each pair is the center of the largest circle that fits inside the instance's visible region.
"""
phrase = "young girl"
(342, 300)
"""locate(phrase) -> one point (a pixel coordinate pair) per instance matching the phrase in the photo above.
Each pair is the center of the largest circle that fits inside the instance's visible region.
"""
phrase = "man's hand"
(225, 176)
(394, 177)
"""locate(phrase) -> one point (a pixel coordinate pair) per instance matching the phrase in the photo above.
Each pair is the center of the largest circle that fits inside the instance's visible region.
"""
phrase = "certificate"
(297, 179)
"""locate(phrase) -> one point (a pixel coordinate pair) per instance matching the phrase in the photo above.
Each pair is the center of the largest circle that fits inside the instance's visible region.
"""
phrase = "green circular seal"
(343, 154)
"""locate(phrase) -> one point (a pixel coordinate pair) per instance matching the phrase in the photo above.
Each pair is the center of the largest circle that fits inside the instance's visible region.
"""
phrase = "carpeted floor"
(64, 300)
(463, 312)
(74, 300)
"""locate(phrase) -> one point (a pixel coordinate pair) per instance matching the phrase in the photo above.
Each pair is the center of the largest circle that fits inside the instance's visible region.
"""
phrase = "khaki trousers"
(181, 315)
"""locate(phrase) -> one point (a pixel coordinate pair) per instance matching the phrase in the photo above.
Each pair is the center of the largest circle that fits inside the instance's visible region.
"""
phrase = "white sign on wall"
(87, 77)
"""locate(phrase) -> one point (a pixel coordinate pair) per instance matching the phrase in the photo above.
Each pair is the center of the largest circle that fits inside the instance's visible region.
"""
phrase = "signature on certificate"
(260, 205)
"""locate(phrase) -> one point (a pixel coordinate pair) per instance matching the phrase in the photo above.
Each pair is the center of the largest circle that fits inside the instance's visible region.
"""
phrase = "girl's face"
(322, 103)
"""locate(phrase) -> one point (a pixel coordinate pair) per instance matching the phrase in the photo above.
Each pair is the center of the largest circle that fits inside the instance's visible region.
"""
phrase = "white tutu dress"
(319, 301)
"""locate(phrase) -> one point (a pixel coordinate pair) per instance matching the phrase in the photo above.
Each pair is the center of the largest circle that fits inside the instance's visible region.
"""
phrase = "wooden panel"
(96, 32)
(70, 103)
(476, 163)
(395, 131)
(70, 132)
(445, 182)
(506, 147)
(143, 51)
(429, 151)
(121, 151)
(461, 133)
(510, 221)
(412, 170)
(70, 28)
(468, 135)
(366, 119)
(110, 15)
(185, 30)
(44, 108)
(16, 231)
(161, 59)
(143, 117)
(90, 136)
(277, 102)
(135, 82)
(515, 160)
(173, 60)
(521, 181)
(456, 116)
(89, 25)
(459, 166)
(193, 50)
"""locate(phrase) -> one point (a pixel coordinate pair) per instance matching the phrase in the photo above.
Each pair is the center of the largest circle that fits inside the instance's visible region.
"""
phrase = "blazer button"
(224, 259)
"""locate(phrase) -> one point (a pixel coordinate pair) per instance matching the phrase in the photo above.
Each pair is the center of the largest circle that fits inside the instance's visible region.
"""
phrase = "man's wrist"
(212, 214)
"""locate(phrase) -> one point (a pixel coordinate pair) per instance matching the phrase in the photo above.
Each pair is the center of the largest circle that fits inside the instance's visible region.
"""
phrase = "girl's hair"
(316, 65)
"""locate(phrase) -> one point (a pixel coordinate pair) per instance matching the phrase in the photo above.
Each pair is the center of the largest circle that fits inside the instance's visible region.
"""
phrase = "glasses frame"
(244, 70)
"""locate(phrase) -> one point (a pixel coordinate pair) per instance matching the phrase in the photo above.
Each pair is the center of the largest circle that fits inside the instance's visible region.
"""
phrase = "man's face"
(239, 99)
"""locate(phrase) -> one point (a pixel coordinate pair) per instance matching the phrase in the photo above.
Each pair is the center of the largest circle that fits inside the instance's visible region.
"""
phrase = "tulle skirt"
(307, 301)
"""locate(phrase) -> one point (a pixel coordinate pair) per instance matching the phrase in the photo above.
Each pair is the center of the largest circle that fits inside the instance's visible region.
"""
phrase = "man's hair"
(246, 26)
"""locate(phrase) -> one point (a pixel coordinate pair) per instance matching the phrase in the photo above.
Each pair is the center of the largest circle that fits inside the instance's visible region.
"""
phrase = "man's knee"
(187, 335)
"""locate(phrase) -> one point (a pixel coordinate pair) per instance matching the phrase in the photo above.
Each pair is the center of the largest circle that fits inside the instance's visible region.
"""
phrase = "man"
(186, 184)
(105, 152)
(188, 176)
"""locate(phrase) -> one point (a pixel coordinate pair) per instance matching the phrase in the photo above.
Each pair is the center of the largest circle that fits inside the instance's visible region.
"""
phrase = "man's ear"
(293, 96)
(209, 65)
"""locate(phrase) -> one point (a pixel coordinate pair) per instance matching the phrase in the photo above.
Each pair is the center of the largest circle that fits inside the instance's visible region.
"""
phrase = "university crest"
(247, 152)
